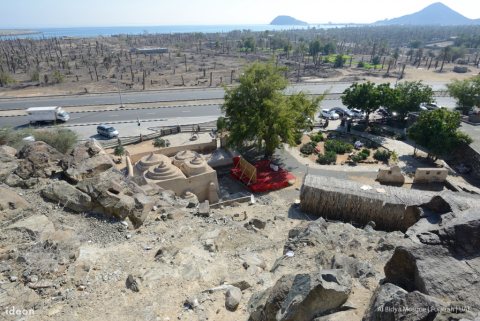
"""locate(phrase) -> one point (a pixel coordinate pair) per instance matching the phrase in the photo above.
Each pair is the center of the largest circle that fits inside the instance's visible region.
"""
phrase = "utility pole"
(119, 94)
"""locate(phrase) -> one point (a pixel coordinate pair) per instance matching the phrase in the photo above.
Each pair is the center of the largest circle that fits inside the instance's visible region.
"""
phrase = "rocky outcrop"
(85, 161)
(390, 303)
(303, 296)
(39, 160)
(8, 161)
(443, 258)
(114, 195)
(68, 196)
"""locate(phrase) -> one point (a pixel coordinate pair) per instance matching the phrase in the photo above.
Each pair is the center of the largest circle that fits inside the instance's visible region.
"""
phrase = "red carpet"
(267, 178)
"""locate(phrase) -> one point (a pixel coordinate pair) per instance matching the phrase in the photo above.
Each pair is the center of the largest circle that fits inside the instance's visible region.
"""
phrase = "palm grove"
(259, 114)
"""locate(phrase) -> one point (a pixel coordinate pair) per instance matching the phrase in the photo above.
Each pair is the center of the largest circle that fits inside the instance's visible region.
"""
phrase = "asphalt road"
(162, 113)
(125, 115)
(157, 96)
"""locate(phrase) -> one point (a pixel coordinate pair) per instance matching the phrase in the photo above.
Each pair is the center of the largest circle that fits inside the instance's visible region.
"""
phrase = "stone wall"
(390, 176)
(391, 208)
(430, 175)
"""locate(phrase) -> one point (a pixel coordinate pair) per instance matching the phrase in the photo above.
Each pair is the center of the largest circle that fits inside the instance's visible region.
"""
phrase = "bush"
(382, 155)
(159, 142)
(60, 139)
(318, 137)
(119, 151)
(57, 77)
(357, 157)
(338, 146)
(6, 79)
(365, 151)
(308, 148)
(221, 124)
(327, 158)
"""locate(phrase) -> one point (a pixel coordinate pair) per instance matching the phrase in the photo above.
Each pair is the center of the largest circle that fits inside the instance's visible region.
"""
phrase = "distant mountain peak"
(434, 14)
(287, 21)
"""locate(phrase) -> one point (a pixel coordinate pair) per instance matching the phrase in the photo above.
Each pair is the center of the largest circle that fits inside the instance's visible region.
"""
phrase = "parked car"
(329, 114)
(342, 111)
(383, 112)
(107, 131)
(357, 113)
(429, 106)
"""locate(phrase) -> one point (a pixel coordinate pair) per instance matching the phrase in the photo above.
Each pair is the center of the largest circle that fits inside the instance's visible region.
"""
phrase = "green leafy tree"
(437, 131)
(259, 113)
(339, 61)
(367, 97)
(249, 44)
(314, 48)
(466, 92)
(329, 48)
(407, 97)
(221, 124)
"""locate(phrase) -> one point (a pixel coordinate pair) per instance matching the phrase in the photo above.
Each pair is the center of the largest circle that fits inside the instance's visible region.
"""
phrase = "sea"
(85, 32)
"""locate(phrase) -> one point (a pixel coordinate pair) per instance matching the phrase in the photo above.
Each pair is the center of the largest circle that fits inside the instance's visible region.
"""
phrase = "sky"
(97, 13)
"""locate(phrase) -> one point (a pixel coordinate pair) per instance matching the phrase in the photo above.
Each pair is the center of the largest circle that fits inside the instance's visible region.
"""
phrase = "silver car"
(329, 114)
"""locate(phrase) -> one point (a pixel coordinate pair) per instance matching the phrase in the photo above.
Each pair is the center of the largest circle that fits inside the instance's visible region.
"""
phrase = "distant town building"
(149, 50)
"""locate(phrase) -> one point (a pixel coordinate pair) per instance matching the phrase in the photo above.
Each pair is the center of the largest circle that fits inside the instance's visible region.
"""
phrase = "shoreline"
(17, 32)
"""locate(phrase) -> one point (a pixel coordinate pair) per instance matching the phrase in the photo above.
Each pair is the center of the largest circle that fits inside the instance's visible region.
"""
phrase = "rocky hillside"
(287, 21)
(79, 241)
(434, 14)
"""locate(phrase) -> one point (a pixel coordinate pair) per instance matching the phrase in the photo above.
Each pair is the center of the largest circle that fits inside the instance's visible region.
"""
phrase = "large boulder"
(8, 161)
(445, 260)
(86, 160)
(391, 303)
(302, 296)
(37, 159)
(115, 195)
(10, 200)
(68, 196)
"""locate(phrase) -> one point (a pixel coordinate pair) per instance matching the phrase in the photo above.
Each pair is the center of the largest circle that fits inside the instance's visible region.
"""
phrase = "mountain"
(287, 21)
(435, 14)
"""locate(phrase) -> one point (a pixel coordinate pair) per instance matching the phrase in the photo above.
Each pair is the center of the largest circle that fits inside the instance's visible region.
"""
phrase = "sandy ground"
(72, 87)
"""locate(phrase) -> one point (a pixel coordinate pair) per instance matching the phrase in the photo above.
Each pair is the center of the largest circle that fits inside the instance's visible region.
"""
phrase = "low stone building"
(187, 172)
(391, 176)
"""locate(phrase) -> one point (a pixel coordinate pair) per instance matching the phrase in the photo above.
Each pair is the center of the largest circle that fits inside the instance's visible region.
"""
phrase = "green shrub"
(14, 138)
(328, 158)
(159, 142)
(6, 79)
(317, 137)
(382, 155)
(119, 151)
(338, 146)
(357, 157)
(308, 148)
(57, 77)
(365, 151)
(61, 139)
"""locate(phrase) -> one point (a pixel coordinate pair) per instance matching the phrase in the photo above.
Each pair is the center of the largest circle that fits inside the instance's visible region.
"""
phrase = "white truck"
(47, 114)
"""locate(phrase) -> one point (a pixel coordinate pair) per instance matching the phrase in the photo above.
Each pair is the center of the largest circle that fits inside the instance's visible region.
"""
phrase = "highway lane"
(125, 115)
(158, 96)
(163, 113)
